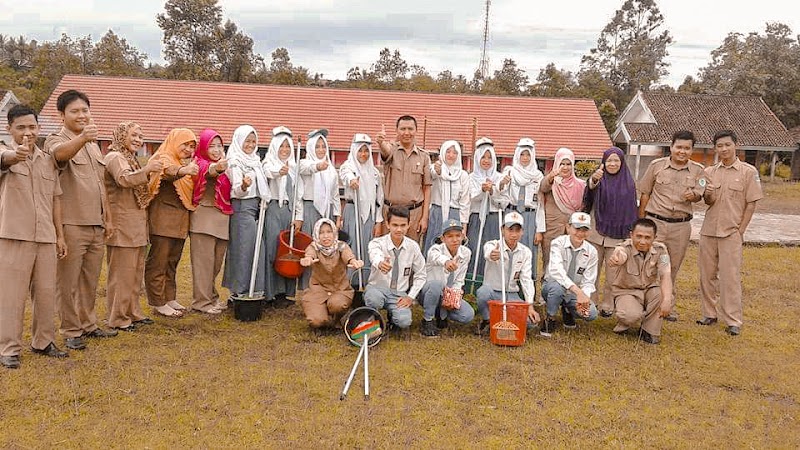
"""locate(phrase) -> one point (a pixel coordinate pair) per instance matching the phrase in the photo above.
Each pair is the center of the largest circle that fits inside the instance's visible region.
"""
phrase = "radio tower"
(483, 67)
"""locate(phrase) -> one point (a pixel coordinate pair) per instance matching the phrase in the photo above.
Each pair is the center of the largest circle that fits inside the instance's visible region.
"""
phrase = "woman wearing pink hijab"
(563, 195)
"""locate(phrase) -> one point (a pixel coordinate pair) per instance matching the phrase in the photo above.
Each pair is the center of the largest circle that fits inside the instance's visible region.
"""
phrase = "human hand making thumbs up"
(598, 174)
(495, 254)
(89, 133)
(386, 265)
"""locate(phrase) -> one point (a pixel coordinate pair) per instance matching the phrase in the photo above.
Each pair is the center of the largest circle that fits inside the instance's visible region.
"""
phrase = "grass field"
(214, 382)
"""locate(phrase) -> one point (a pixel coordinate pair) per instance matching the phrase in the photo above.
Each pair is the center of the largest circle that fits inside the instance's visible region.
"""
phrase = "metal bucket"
(358, 316)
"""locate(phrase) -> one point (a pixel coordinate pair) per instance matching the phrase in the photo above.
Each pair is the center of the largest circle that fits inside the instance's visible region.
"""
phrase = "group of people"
(416, 231)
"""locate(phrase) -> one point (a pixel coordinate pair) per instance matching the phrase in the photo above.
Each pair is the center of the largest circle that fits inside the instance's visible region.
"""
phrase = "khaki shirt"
(81, 179)
(207, 218)
(129, 222)
(167, 216)
(330, 272)
(26, 199)
(406, 175)
(666, 184)
(639, 272)
(733, 188)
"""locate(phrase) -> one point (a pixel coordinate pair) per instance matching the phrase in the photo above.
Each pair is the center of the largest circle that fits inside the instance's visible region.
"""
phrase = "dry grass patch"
(214, 382)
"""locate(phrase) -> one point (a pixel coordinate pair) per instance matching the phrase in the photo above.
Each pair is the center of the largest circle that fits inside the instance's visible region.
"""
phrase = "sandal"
(221, 305)
(167, 311)
(175, 305)
(214, 310)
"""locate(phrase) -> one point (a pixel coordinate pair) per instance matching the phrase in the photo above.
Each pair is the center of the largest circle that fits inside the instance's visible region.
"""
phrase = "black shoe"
(672, 317)
(604, 313)
(440, 323)
(10, 362)
(707, 321)
(75, 343)
(733, 330)
(549, 324)
(483, 326)
(129, 328)
(649, 338)
(100, 333)
(428, 329)
(281, 301)
(145, 321)
(51, 350)
(568, 318)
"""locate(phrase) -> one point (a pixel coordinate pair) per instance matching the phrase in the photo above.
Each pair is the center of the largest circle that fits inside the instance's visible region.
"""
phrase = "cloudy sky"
(329, 36)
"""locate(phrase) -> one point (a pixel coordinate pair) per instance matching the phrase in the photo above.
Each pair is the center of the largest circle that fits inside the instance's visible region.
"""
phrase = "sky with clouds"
(329, 37)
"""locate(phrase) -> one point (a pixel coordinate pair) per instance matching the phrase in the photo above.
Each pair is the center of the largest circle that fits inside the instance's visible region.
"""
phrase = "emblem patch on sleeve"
(663, 259)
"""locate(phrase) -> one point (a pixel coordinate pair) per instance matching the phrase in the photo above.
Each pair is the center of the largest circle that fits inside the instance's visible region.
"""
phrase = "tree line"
(630, 55)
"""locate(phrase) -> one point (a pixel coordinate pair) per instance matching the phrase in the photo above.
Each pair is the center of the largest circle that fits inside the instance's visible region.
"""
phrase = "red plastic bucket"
(517, 314)
(287, 259)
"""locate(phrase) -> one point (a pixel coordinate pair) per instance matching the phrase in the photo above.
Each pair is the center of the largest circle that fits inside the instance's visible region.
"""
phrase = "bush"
(781, 170)
(585, 169)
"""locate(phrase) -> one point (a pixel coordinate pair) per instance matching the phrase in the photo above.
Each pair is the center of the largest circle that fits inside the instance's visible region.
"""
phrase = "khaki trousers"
(607, 303)
(322, 307)
(640, 306)
(26, 266)
(720, 264)
(676, 237)
(125, 274)
(207, 255)
(77, 278)
(160, 269)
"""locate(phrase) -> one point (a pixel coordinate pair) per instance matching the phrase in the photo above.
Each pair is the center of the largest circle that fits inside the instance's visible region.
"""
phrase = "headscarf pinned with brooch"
(141, 192)
(222, 195)
(567, 191)
(168, 153)
(614, 199)
(329, 250)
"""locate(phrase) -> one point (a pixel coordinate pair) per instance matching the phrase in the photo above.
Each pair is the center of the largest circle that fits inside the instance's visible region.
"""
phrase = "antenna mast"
(483, 67)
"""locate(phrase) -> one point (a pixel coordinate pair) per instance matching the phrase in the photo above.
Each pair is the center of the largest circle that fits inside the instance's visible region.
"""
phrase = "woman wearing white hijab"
(523, 195)
(485, 182)
(248, 188)
(320, 186)
(450, 192)
(281, 170)
(320, 182)
(358, 174)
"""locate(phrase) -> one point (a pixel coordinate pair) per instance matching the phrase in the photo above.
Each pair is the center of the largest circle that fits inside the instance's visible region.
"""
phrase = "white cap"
(513, 218)
(525, 142)
(361, 138)
(580, 220)
(483, 141)
(281, 130)
(322, 131)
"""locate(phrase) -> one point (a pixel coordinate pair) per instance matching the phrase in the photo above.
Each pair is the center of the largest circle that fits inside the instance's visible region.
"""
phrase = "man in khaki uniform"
(640, 281)
(79, 161)
(668, 188)
(732, 192)
(406, 175)
(30, 239)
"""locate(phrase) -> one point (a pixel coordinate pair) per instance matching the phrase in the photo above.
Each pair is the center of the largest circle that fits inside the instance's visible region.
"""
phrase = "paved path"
(783, 229)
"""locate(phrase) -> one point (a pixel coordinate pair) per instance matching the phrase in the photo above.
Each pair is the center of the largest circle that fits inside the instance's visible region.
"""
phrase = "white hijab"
(273, 163)
(449, 175)
(369, 180)
(248, 164)
(526, 175)
(324, 181)
(480, 175)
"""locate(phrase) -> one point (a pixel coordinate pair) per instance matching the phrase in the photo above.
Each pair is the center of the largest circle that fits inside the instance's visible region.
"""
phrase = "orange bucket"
(287, 259)
(517, 314)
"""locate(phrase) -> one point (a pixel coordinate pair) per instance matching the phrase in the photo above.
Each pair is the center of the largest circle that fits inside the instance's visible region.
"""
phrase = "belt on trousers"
(410, 207)
(670, 219)
(526, 209)
(282, 203)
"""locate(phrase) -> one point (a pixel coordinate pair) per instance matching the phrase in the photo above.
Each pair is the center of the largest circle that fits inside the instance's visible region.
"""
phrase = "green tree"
(762, 65)
(447, 82)
(190, 37)
(17, 53)
(554, 82)
(390, 67)
(114, 56)
(234, 54)
(631, 49)
(282, 71)
(509, 80)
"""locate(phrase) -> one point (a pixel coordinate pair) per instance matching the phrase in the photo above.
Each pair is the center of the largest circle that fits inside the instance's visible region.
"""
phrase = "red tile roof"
(159, 105)
(751, 119)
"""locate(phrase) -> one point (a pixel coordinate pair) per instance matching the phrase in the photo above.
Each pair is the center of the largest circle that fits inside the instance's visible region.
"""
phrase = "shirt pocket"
(48, 182)
(663, 178)
(82, 165)
(19, 177)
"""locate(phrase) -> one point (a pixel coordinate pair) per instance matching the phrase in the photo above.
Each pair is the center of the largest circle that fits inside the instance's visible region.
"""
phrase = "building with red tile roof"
(160, 105)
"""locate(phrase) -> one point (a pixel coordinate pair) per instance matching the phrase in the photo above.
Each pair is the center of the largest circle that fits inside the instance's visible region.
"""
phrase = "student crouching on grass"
(446, 269)
(400, 273)
(31, 238)
(329, 293)
(208, 226)
(168, 218)
(517, 270)
(129, 194)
